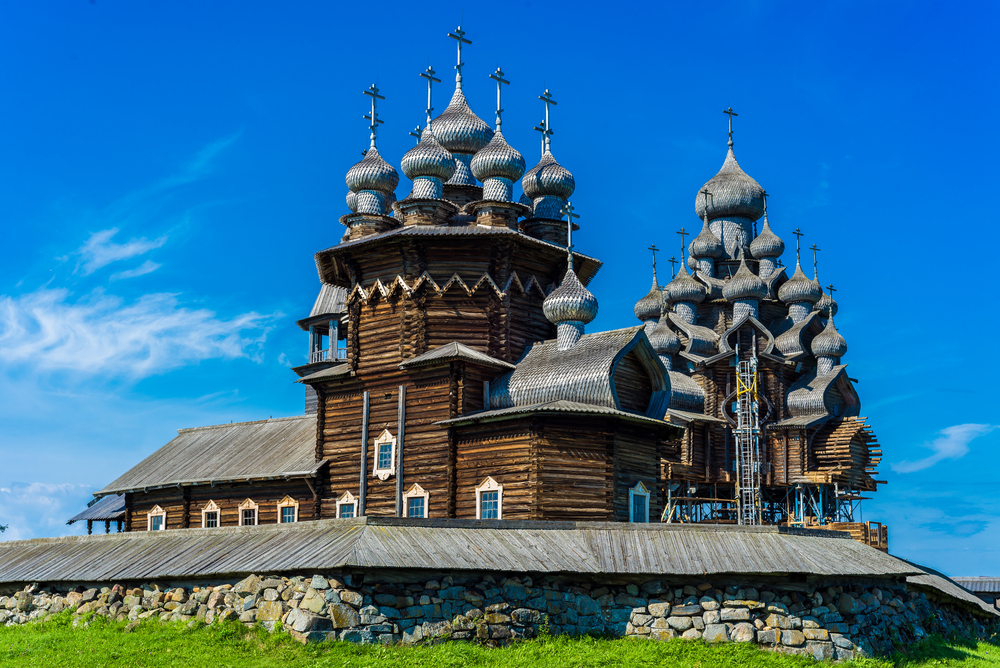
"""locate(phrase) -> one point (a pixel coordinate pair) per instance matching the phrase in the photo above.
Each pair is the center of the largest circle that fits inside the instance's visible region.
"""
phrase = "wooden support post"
(128, 513)
(107, 526)
(90, 527)
(486, 395)
(363, 490)
(333, 340)
(119, 526)
(401, 421)
(312, 341)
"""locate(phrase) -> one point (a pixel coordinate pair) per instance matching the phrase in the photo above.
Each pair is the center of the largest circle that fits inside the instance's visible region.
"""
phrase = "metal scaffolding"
(747, 433)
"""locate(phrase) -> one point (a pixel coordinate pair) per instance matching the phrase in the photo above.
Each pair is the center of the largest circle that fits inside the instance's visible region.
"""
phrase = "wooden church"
(450, 373)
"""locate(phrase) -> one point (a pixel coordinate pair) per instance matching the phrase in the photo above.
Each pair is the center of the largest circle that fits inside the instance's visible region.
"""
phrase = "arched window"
(489, 500)
(347, 506)
(210, 516)
(248, 513)
(638, 503)
(415, 502)
(385, 455)
(288, 510)
(156, 519)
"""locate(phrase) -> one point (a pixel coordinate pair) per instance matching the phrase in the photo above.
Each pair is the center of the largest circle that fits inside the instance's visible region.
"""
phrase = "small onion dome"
(570, 302)
(649, 307)
(497, 160)
(826, 304)
(428, 158)
(459, 129)
(744, 285)
(799, 288)
(767, 243)
(684, 289)
(352, 201)
(706, 244)
(548, 178)
(372, 173)
(524, 199)
(829, 342)
(733, 193)
(664, 340)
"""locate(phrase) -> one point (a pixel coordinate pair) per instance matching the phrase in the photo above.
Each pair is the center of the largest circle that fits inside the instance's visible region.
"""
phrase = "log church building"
(451, 374)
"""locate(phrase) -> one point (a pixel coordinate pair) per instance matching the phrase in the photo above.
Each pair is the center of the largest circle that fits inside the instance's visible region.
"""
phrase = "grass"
(55, 643)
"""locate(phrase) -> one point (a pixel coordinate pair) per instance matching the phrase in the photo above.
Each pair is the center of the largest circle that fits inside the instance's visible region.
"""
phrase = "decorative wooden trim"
(638, 490)
(383, 472)
(211, 507)
(248, 504)
(489, 485)
(416, 491)
(156, 512)
(347, 499)
(363, 490)
(401, 422)
(288, 502)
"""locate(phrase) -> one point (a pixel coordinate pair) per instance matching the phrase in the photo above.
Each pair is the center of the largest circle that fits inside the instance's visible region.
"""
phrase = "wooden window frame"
(347, 499)
(288, 502)
(489, 485)
(416, 492)
(211, 507)
(156, 512)
(638, 490)
(380, 472)
(248, 504)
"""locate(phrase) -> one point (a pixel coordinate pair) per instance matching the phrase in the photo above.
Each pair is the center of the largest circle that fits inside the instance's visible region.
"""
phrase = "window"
(156, 519)
(415, 502)
(638, 502)
(210, 516)
(489, 500)
(385, 455)
(346, 506)
(288, 510)
(248, 513)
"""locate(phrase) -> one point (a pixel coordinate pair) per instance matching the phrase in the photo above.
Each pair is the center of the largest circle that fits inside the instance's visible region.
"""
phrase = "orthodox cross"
(498, 77)
(541, 128)
(707, 194)
(831, 289)
(431, 80)
(815, 249)
(798, 239)
(731, 114)
(459, 36)
(654, 249)
(372, 92)
(764, 195)
(568, 212)
(683, 234)
(415, 132)
(673, 262)
(546, 97)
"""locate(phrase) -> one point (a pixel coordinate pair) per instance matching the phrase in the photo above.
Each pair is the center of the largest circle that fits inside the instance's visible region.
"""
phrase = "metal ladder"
(747, 433)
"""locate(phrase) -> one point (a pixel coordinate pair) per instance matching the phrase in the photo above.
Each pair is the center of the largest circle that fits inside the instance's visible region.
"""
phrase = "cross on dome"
(546, 97)
(459, 36)
(683, 234)
(431, 80)
(653, 248)
(568, 212)
(545, 132)
(498, 77)
(415, 132)
(815, 249)
(673, 265)
(731, 114)
(798, 238)
(372, 92)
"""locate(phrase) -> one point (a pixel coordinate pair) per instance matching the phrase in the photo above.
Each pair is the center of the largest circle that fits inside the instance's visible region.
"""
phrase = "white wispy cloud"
(100, 251)
(145, 268)
(103, 334)
(951, 443)
(38, 508)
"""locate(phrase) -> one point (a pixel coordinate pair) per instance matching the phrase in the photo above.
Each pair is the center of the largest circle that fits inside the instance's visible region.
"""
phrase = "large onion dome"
(498, 159)
(829, 342)
(570, 302)
(684, 289)
(767, 244)
(548, 178)
(799, 288)
(428, 158)
(664, 340)
(459, 129)
(734, 193)
(744, 285)
(706, 244)
(372, 173)
(649, 307)
(826, 304)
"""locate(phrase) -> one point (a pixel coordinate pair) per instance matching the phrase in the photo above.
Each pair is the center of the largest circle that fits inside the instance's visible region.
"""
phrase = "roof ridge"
(186, 430)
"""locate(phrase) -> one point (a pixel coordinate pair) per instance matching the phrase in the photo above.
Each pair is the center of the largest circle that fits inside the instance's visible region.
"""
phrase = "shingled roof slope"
(111, 507)
(276, 448)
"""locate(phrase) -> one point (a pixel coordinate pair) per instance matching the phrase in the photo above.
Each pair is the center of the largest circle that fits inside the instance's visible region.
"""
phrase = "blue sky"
(167, 171)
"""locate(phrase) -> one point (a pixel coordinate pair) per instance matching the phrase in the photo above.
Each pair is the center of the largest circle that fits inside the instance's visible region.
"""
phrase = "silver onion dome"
(570, 302)
(684, 289)
(829, 342)
(734, 193)
(744, 285)
(767, 243)
(826, 305)
(799, 288)
(458, 129)
(372, 173)
(497, 159)
(548, 178)
(649, 307)
(428, 158)
(352, 201)
(706, 244)
(524, 199)
(665, 341)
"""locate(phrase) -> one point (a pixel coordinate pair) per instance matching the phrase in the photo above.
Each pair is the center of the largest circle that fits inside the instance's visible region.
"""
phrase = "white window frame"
(247, 505)
(489, 485)
(347, 499)
(288, 502)
(638, 490)
(416, 492)
(156, 512)
(384, 438)
(211, 507)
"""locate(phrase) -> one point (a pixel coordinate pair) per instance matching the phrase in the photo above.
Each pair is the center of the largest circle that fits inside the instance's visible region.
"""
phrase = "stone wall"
(827, 622)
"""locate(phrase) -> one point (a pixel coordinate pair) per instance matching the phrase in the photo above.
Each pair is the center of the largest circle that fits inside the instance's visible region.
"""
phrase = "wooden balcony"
(327, 355)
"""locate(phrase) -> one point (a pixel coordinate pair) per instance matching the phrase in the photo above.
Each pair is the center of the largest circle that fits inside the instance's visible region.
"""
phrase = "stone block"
(390, 613)
(585, 605)
(712, 617)
(499, 632)
(88, 595)
(497, 618)
(463, 623)
(685, 610)
(412, 612)
(821, 651)
(680, 623)
(662, 634)
(708, 603)
(514, 592)
(344, 616)
(641, 620)
(319, 582)
(250, 585)
(792, 638)
(777, 621)
(841, 641)
(526, 616)
(848, 605)
(744, 632)
(630, 600)
(734, 614)
(269, 611)
(659, 608)
(768, 637)
(248, 616)
(360, 636)
(837, 627)
(842, 654)
(816, 634)
(434, 629)
(691, 634)
(352, 598)
(24, 601)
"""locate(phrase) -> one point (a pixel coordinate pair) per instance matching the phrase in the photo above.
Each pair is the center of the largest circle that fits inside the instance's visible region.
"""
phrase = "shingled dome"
(684, 289)
(829, 342)
(570, 302)
(706, 244)
(767, 243)
(799, 288)
(648, 308)
(459, 129)
(372, 173)
(734, 193)
(744, 285)
(498, 159)
(548, 179)
(428, 158)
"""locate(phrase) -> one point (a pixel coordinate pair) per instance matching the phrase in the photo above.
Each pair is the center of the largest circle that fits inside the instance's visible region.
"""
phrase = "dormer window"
(210, 516)
(638, 503)
(288, 510)
(489, 500)
(248, 513)
(415, 502)
(385, 455)
(346, 506)
(156, 519)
